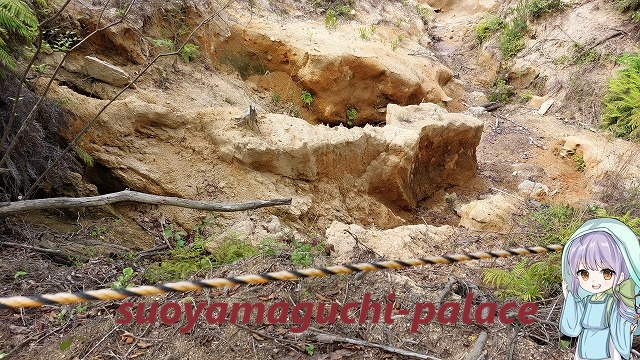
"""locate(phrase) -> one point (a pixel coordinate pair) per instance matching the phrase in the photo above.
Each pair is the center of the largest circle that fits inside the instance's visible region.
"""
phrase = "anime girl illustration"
(600, 272)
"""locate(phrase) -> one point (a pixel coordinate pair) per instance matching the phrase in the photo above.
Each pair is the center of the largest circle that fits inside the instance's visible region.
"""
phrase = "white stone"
(104, 71)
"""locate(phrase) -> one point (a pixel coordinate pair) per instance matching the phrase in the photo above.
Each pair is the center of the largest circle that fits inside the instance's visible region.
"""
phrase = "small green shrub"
(124, 279)
(331, 19)
(424, 13)
(275, 98)
(621, 102)
(396, 42)
(500, 91)
(578, 161)
(18, 27)
(512, 38)
(537, 8)
(527, 281)
(85, 156)
(487, 27)
(189, 52)
(170, 233)
(352, 114)
(334, 12)
(530, 280)
(366, 32)
(187, 260)
(303, 254)
(271, 247)
(232, 249)
(629, 6)
(64, 41)
(306, 98)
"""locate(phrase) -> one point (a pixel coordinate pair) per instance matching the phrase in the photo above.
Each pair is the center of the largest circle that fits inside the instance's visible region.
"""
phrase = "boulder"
(491, 214)
(522, 74)
(104, 71)
(408, 241)
(422, 149)
(533, 190)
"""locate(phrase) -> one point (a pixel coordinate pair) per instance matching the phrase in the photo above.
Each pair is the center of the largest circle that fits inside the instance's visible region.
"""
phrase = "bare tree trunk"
(128, 195)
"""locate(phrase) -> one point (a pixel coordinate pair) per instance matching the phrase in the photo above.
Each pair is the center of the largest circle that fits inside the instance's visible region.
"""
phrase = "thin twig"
(101, 340)
(30, 247)
(296, 345)
(328, 338)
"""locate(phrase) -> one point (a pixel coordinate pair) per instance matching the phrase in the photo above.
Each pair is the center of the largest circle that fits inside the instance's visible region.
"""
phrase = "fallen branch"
(30, 247)
(128, 195)
(446, 290)
(478, 347)
(327, 338)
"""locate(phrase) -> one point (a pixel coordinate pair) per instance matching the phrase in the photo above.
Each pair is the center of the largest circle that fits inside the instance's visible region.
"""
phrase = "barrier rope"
(17, 302)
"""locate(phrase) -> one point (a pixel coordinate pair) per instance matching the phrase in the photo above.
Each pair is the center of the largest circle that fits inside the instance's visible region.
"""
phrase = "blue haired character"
(600, 272)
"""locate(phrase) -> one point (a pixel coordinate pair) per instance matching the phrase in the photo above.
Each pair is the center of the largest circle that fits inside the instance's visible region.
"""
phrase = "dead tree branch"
(478, 347)
(134, 196)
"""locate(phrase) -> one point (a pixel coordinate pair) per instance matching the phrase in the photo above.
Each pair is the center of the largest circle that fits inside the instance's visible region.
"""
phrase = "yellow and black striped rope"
(16, 302)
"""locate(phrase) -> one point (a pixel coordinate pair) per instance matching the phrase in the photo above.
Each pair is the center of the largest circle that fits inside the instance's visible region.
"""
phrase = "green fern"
(18, 26)
(527, 281)
(632, 222)
(85, 156)
(621, 103)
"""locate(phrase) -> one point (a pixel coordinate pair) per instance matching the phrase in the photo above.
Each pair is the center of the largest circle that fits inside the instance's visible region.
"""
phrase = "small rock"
(533, 189)
(274, 225)
(476, 110)
(536, 102)
(244, 228)
(545, 107)
(492, 214)
(104, 71)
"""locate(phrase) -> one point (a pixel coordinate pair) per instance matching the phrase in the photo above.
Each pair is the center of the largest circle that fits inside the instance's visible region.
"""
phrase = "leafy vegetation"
(232, 249)
(304, 253)
(487, 27)
(124, 279)
(189, 52)
(621, 102)
(352, 113)
(537, 8)
(63, 41)
(396, 42)
(578, 161)
(335, 11)
(515, 26)
(366, 32)
(629, 6)
(500, 91)
(423, 13)
(18, 27)
(533, 280)
(527, 281)
(512, 38)
(306, 98)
